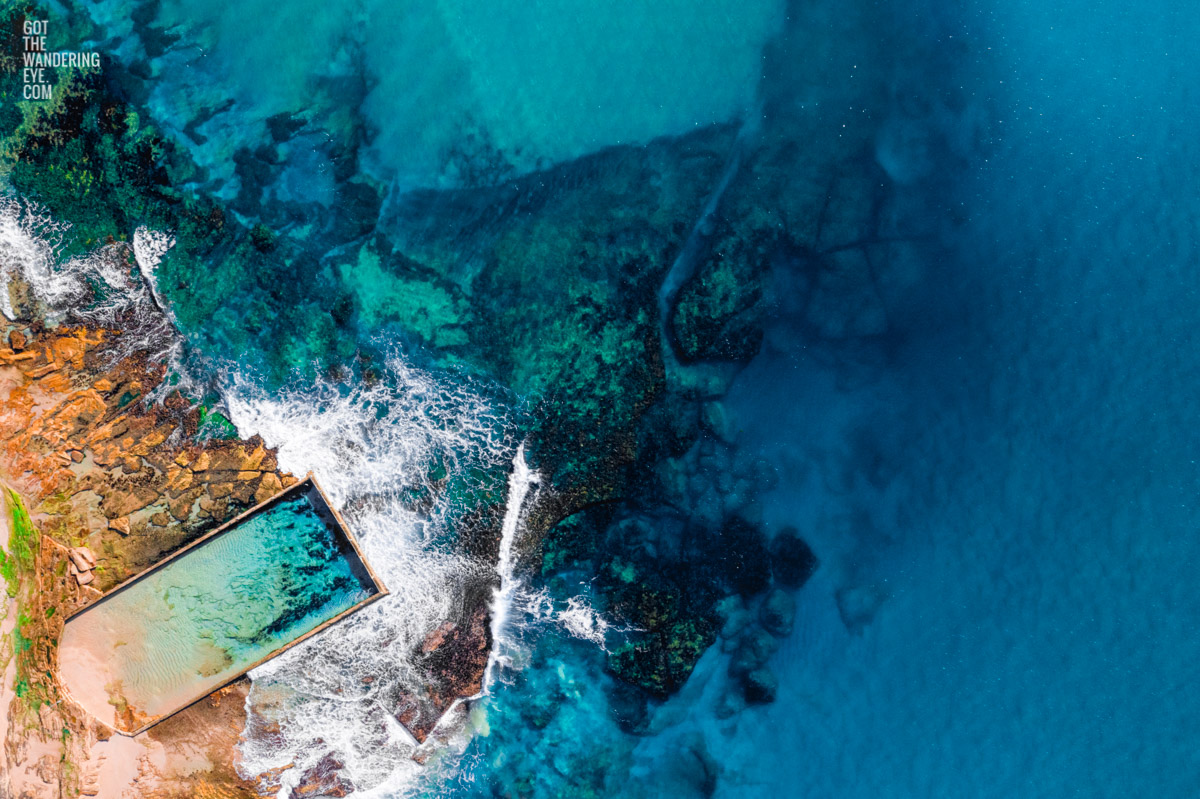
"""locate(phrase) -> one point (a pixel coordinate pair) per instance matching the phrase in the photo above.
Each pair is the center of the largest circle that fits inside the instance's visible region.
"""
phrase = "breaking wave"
(519, 483)
(385, 452)
(99, 287)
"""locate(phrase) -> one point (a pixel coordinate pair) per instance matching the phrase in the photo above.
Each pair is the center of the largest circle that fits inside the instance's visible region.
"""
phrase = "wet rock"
(16, 340)
(744, 548)
(49, 719)
(178, 480)
(122, 503)
(454, 667)
(82, 559)
(323, 781)
(219, 490)
(437, 637)
(777, 613)
(268, 487)
(756, 648)
(78, 562)
(181, 506)
(717, 419)
(732, 701)
(760, 686)
(792, 561)
(734, 617)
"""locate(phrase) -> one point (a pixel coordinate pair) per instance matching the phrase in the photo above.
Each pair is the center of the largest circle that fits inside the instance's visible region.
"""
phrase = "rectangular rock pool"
(240, 595)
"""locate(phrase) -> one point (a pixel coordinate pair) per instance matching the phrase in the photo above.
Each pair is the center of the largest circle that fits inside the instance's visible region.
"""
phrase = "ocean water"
(992, 452)
(1001, 487)
(184, 629)
(427, 92)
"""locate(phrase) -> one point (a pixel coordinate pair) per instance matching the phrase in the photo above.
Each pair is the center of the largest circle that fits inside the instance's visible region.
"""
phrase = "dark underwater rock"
(716, 419)
(777, 612)
(547, 284)
(629, 707)
(673, 635)
(760, 686)
(745, 561)
(718, 312)
(845, 301)
(732, 701)
(792, 561)
(734, 617)
(757, 646)
(693, 773)
(669, 428)
(540, 707)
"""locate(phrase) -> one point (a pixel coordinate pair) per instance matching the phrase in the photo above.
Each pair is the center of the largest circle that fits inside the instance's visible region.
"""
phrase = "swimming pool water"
(192, 624)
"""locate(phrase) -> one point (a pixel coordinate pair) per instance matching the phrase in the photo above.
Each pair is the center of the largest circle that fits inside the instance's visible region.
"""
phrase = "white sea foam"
(372, 447)
(582, 621)
(149, 247)
(578, 619)
(520, 481)
(97, 287)
(30, 242)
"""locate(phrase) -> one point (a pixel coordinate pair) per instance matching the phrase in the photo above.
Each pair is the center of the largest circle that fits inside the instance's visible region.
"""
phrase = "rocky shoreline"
(109, 463)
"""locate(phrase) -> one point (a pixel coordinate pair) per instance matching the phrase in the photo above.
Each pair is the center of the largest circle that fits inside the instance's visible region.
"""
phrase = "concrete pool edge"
(299, 488)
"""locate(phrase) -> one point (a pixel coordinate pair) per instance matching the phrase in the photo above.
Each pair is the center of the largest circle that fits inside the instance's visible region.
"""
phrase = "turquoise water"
(425, 93)
(206, 616)
(973, 388)
(1001, 487)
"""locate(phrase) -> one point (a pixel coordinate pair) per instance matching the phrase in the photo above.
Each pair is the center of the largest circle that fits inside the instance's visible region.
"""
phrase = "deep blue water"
(999, 475)
(1009, 480)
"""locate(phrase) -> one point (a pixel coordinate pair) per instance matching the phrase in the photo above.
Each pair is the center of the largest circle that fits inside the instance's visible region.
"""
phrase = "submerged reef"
(613, 299)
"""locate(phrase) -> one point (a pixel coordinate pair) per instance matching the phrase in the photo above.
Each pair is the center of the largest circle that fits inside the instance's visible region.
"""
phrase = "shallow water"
(449, 93)
(206, 616)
